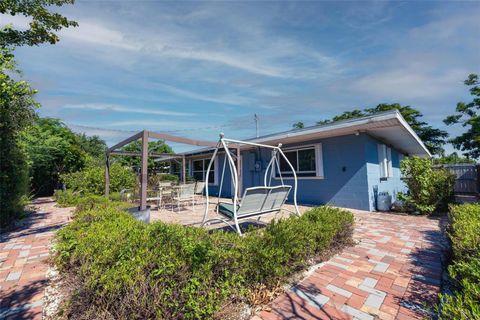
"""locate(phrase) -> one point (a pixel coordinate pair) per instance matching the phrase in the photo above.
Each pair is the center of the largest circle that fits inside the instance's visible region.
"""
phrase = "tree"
(298, 125)
(467, 115)
(52, 149)
(356, 113)
(17, 111)
(433, 138)
(43, 26)
(93, 146)
(452, 158)
(158, 146)
(17, 104)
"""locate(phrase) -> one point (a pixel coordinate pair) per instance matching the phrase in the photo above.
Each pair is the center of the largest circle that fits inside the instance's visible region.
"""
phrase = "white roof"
(389, 127)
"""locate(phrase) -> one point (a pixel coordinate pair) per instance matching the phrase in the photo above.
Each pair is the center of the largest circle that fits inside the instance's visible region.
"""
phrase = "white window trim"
(319, 173)
(385, 161)
(215, 169)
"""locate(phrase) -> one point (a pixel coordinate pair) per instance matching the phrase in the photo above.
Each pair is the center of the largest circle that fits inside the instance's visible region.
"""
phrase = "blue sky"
(197, 68)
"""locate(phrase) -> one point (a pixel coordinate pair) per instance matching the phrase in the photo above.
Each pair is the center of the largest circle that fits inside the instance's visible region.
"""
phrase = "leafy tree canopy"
(432, 137)
(92, 145)
(43, 25)
(158, 146)
(53, 149)
(467, 115)
(298, 125)
(452, 158)
(17, 111)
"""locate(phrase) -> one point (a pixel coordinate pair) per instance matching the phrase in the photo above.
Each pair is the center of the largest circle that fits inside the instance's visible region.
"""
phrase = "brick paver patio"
(24, 261)
(393, 272)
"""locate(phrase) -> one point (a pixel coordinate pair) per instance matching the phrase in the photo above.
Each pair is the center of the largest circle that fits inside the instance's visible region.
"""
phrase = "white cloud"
(225, 99)
(180, 43)
(118, 108)
(98, 34)
(407, 84)
(168, 125)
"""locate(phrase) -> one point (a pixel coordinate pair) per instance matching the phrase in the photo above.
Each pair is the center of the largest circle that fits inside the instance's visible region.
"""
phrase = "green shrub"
(66, 198)
(429, 189)
(91, 180)
(17, 112)
(141, 271)
(115, 196)
(465, 238)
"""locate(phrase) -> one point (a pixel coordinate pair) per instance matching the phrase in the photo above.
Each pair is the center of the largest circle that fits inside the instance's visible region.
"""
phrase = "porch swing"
(256, 201)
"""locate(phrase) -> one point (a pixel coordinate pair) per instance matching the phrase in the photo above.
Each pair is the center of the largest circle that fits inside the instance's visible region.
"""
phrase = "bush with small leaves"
(131, 270)
(465, 269)
(429, 189)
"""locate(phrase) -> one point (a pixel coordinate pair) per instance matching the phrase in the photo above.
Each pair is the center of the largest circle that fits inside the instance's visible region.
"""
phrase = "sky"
(195, 69)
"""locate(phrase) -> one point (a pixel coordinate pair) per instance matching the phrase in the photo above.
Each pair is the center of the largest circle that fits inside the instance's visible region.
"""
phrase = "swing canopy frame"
(256, 201)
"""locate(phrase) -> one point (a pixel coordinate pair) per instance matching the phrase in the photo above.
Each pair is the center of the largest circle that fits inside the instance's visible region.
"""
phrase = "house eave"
(389, 127)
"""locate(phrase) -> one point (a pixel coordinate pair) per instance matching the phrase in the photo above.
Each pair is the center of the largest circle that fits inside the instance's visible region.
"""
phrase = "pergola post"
(184, 171)
(107, 174)
(144, 171)
(239, 172)
(145, 135)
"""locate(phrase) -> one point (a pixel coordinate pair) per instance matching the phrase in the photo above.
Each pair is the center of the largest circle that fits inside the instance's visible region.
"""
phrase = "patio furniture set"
(256, 201)
(168, 195)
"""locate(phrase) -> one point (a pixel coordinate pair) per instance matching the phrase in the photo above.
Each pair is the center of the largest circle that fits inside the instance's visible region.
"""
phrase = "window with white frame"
(307, 162)
(385, 161)
(199, 170)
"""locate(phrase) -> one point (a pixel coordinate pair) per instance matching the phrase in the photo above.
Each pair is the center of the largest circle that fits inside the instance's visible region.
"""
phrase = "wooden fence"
(467, 181)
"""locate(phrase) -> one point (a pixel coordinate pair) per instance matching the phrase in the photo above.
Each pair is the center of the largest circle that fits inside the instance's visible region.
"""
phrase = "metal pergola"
(144, 154)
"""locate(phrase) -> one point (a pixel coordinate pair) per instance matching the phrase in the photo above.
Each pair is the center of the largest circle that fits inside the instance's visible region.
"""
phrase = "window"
(176, 168)
(199, 170)
(385, 161)
(306, 161)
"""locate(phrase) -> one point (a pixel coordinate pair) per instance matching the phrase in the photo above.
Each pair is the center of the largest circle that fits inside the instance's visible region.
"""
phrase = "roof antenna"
(256, 125)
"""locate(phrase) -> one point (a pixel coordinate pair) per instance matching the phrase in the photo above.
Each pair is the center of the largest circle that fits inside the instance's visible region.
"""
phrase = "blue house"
(345, 163)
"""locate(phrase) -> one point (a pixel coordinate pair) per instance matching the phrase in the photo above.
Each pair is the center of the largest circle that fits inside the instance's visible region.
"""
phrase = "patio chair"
(127, 195)
(185, 193)
(256, 201)
(200, 189)
(165, 191)
(154, 195)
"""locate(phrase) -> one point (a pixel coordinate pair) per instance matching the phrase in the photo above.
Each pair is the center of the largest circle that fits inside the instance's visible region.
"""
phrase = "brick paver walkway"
(24, 261)
(393, 272)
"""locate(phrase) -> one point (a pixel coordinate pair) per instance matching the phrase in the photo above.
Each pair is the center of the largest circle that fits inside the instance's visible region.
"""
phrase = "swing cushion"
(257, 201)
(226, 209)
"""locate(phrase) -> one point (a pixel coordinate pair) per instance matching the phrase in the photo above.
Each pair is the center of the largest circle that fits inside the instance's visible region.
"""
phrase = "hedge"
(69, 198)
(125, 269)
(91, 180)
(465, 269)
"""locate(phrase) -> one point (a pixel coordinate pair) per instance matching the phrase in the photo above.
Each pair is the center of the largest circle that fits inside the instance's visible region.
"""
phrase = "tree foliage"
(17, 111)
(433, 138)
(53, 149)
(91, 180)
(452, 158)
(158, 146)
(429, 189)
(93, 146)
(17, 104)
(42, 27)
(467, 115)
(298, 125)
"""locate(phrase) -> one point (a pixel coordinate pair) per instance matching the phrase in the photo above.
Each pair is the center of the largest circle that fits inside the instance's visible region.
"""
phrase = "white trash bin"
(384, 201)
